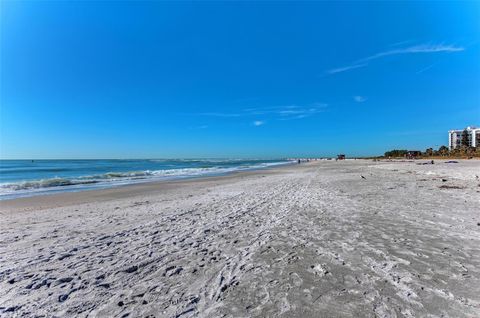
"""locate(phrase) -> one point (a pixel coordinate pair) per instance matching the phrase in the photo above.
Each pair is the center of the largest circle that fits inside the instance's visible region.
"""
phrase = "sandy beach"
(352, 238)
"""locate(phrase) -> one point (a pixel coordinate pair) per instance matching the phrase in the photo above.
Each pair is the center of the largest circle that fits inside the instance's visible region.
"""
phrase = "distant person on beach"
(298, 161)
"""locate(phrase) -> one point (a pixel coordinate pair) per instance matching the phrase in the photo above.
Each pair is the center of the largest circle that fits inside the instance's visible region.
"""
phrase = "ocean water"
(20, 178)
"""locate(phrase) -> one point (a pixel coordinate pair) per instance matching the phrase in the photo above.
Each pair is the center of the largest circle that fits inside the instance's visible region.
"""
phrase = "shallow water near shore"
(21, 178)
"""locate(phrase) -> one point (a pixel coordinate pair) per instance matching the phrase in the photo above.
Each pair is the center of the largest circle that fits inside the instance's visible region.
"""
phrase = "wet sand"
(314, 240)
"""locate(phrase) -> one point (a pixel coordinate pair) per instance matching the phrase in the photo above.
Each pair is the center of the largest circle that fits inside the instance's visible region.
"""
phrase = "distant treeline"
(396, 153)
(443, 151)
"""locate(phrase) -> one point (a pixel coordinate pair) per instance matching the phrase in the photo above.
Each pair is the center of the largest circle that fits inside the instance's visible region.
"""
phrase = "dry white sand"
(315, 240)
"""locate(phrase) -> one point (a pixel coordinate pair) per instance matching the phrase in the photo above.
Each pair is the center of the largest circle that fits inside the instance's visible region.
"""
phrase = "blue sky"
(227, 79)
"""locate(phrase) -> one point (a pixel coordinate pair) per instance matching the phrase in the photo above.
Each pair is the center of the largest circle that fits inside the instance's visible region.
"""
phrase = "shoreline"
(67, 198)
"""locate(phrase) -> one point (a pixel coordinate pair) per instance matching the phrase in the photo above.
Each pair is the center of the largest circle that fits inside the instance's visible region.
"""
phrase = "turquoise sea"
(19, 178)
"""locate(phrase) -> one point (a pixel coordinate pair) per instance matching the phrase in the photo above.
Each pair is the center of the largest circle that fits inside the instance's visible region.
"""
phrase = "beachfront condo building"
(455, 137)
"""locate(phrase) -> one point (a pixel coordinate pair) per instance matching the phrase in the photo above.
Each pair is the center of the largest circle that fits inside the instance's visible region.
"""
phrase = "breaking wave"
(47, 183)
(109, 179)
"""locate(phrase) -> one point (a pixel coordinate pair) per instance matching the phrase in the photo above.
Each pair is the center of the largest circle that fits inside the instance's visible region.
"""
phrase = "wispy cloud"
(258, 123)
(199, 127)
(422, 48)
(290, 111)
(215, 114)
(426, 68)
(287, 112)
(346, 68)
(359, 99)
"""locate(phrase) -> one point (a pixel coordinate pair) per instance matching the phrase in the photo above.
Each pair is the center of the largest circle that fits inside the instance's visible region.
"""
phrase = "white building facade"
(455, 137)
